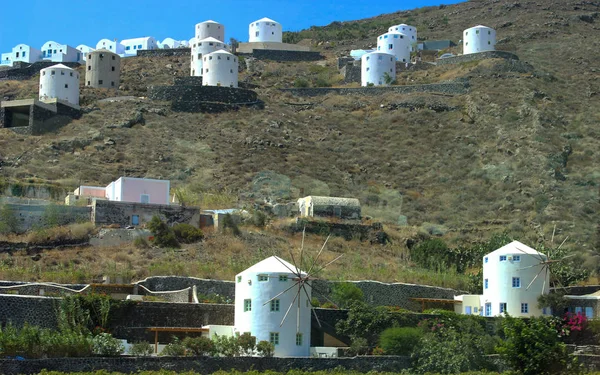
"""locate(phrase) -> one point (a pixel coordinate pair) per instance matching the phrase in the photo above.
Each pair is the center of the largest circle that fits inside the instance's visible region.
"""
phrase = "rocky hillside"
(518, 153)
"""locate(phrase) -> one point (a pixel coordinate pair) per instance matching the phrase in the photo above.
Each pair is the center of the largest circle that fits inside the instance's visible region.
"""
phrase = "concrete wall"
(203, 365)
(109, 212)
(35, 215)
(456, 88)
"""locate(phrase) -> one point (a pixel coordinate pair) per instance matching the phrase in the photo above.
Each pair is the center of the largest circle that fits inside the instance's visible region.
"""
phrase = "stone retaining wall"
(202, 365)
(454, 88)
(22, 71)
(280, 55)
(213, 99)
(112, 212)
(477, 56)
(164, 52)
(30, 216)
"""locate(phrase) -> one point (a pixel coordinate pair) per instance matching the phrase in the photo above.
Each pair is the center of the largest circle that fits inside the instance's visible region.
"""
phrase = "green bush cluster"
(164, 236)
(187, 233)
(225, 346)
(141, 349)
(400, 340)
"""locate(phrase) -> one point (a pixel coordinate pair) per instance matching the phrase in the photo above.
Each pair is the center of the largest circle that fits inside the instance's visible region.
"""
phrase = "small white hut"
(210, 29)
(256, 286)
(395, 43)
(85, 50)
(377, 68)
(59, 82)
(111, 45)
(265, 30)
(343, 208)
(405, 29)
(220, 69)
(479, 39)
(169, 43)
(201, 48)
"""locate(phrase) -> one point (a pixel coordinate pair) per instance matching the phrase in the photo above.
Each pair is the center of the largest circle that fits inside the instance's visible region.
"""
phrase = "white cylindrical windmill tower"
(199, 50)
(378, 68)
(479, 39)
(259, 314)
(508, 281)
(395, 43)
(405, 29)
(210, 29)
(220, 69)
(265, 30)
(59, 82)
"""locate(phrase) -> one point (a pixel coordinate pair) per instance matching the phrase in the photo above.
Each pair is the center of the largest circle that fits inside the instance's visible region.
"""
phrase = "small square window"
(89, 83)
(263, 278)
(283, 278)
(113, 58)
(502, 258)
(516, 258)
(228, 57)
(275, 305)
(239, 279)
(53, 72)
(274, 338)
(502, 307)
(524, 308)
(516, 282)
(113, 68)
(485, 260)
(66, 85)
(89, 67)
(71, 74)
(298, 339)
(485, 284)
(112, 83)
(100, 81)
(247, 305)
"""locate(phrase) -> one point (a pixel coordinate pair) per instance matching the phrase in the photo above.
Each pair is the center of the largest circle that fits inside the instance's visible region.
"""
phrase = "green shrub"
(141, 349)
(199, 346)
(345, 293)
(227, 346)
(247, 343)
(301, 83)
(265, 349)
(359, 346)
(259, 218)
(174, 349)
(163, 234)
(400, 340)
(8, 220)
(107, 346)
(187, 233)
(141, 243)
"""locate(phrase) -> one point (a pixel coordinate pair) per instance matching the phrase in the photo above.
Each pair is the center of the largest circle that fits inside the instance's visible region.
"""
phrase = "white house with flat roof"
(111, 45)
(57, 52)
(136, 44)
(139, 190)
(23, 53)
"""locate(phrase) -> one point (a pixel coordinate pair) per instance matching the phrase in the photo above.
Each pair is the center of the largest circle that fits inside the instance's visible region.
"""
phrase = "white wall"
(59, 82)
(220, 69)
(21, 52)
(500, 274)
(85, 50)
(397, 44)
(210, 29)
(201, 48)
(479, 39)
(58, 52)
(265, 30)
(375, 65)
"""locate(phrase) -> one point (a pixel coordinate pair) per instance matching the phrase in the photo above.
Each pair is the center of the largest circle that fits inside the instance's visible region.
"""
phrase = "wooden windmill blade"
(536, 276)
(537, 254)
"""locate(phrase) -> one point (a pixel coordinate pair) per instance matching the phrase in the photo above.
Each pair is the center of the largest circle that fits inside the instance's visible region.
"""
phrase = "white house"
(139, 190)
(220, 69)
(254, 313)
(111, 45)
(201, 48)
(265, 30)
(85, 50)
(479, 39)
(395, 43)
(376, 67)
(59, 82)
(210, 29)
(57, 52)
(23, 53)
(405, 29)
(168, 43)
(507, 273)
(135, 44)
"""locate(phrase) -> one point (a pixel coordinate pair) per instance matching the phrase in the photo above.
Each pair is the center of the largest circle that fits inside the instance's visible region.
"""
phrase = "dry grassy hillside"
(519, 152)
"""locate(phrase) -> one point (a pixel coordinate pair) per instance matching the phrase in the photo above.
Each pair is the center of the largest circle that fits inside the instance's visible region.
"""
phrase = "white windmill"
(262, 293)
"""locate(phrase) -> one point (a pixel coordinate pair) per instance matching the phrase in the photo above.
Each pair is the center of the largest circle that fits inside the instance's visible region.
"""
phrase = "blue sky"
(88, 21)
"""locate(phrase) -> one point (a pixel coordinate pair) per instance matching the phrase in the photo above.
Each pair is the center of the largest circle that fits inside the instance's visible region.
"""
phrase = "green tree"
(163, 234)
(187, 233)
(265, 349)
(400, 340)
(344, 293)
(199, 346)
(364, 321)
(8, 220)
(533, 347)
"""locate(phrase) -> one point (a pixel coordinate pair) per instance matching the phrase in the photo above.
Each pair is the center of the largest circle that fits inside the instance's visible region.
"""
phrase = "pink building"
(91, 191)
(139, 190)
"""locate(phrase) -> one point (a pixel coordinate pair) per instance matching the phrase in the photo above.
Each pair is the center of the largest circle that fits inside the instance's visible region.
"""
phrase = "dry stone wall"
(477, 56)
(22, 71)
(280, 55)
(164, 52)
(453, 88)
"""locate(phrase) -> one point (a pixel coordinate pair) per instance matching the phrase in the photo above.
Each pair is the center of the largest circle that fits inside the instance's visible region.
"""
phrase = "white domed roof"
(265, 19)
(210, 39)
(273, 264)
(58, 66)
(516, 247)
